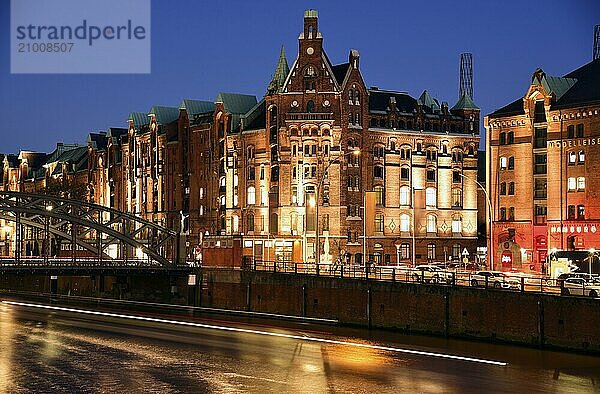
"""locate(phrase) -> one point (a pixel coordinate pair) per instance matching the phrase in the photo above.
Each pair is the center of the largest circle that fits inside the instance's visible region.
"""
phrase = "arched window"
(511, 163)
(222, 201)
(251, 195)
(404, 223)
(250, 220)
(357, 118)
(273, 223)
(572, 157)
(350, 96)
(430, 197)
(310, 106)
(392, 145)
(250, 152)
(431, 224)
(404, 195)
(581, 156)
(357, 97)
(222, 181)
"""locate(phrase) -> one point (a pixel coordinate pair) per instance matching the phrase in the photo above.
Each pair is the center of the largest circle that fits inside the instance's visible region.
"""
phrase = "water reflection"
(41, 351)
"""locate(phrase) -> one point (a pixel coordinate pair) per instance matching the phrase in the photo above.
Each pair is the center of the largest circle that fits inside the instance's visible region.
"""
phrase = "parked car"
(579, 286)
(431, 274)
(496, 279)
(583, 275)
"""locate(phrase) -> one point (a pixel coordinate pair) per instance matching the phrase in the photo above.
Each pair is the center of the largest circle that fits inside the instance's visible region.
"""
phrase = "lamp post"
(355, 152)
(490, 218)
(590, 259)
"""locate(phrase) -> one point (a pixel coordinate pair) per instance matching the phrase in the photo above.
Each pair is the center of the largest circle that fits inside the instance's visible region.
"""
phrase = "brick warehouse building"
(257, 169)
(543, 152)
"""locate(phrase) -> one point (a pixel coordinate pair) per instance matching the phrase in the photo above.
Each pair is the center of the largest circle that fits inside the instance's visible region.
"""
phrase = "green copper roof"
(281, 72)
(557, 85)
(138, 118)
(164, 115)
(465, 102)
(428, 101)
(236, 103)
(195, 107)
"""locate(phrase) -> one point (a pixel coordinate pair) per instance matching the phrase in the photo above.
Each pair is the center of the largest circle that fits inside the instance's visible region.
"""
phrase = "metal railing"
(506, 281)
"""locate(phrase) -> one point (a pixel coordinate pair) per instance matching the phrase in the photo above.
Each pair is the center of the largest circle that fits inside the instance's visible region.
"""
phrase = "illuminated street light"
(49, 208)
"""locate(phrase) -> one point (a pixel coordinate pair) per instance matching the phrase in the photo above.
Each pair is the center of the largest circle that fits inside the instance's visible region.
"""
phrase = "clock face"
(310, 51)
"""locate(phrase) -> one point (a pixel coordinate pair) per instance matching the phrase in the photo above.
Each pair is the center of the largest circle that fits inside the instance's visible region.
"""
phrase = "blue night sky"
(202, 48)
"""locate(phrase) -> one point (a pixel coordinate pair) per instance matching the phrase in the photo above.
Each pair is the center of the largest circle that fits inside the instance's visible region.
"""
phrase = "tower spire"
(281, 72)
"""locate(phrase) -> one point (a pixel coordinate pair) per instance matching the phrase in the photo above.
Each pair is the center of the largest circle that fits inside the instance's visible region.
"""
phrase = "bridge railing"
(37, 262)
(500, 281)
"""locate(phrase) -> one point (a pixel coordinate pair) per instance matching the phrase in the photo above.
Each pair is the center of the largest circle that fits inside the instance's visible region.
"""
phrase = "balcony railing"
(309, 116)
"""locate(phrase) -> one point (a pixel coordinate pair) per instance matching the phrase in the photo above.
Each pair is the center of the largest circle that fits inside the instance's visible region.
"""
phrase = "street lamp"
(490, 218)
(355, 152)
(590, 258)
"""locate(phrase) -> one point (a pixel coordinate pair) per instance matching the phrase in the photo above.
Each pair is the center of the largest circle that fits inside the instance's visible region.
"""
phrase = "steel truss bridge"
(43, 231)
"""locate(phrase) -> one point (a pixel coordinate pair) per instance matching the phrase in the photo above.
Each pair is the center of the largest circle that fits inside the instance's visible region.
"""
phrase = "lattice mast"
(596, 42)
(466, 74)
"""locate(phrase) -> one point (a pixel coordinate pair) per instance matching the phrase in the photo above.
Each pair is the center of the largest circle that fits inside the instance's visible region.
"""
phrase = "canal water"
(45, 350)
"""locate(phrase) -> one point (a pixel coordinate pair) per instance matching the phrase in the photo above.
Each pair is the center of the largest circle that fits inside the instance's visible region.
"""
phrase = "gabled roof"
(76, 157)
(427, 101)
(281, 72)
(12, 160)
(340, 71)
(465, 102)
(97, 140)
(196, 107)
(115, 134)
(578, 87)
(60, 149)
(138, 118)
(256, 118)
(379, 100)
(164, 115)
(236, 103)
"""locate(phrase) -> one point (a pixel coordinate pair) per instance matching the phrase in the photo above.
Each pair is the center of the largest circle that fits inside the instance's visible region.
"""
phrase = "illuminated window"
(572, 184)
(251, 196)
(572, 157)
(379, 222)
(201, 193)
(235, 223)
(250, 220)
(430, 197)
(294, 195)
(431, 224)
(456, 250)
(235, 200)
(581, 156)
(263, 195)
(503, 163)
(404, 195)
(456, 198)
(405, 251)
(222, 181)
(580, 183)
(457, 225)
(430, 251)
(379, 195)
(223, 201)
(404, 223)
